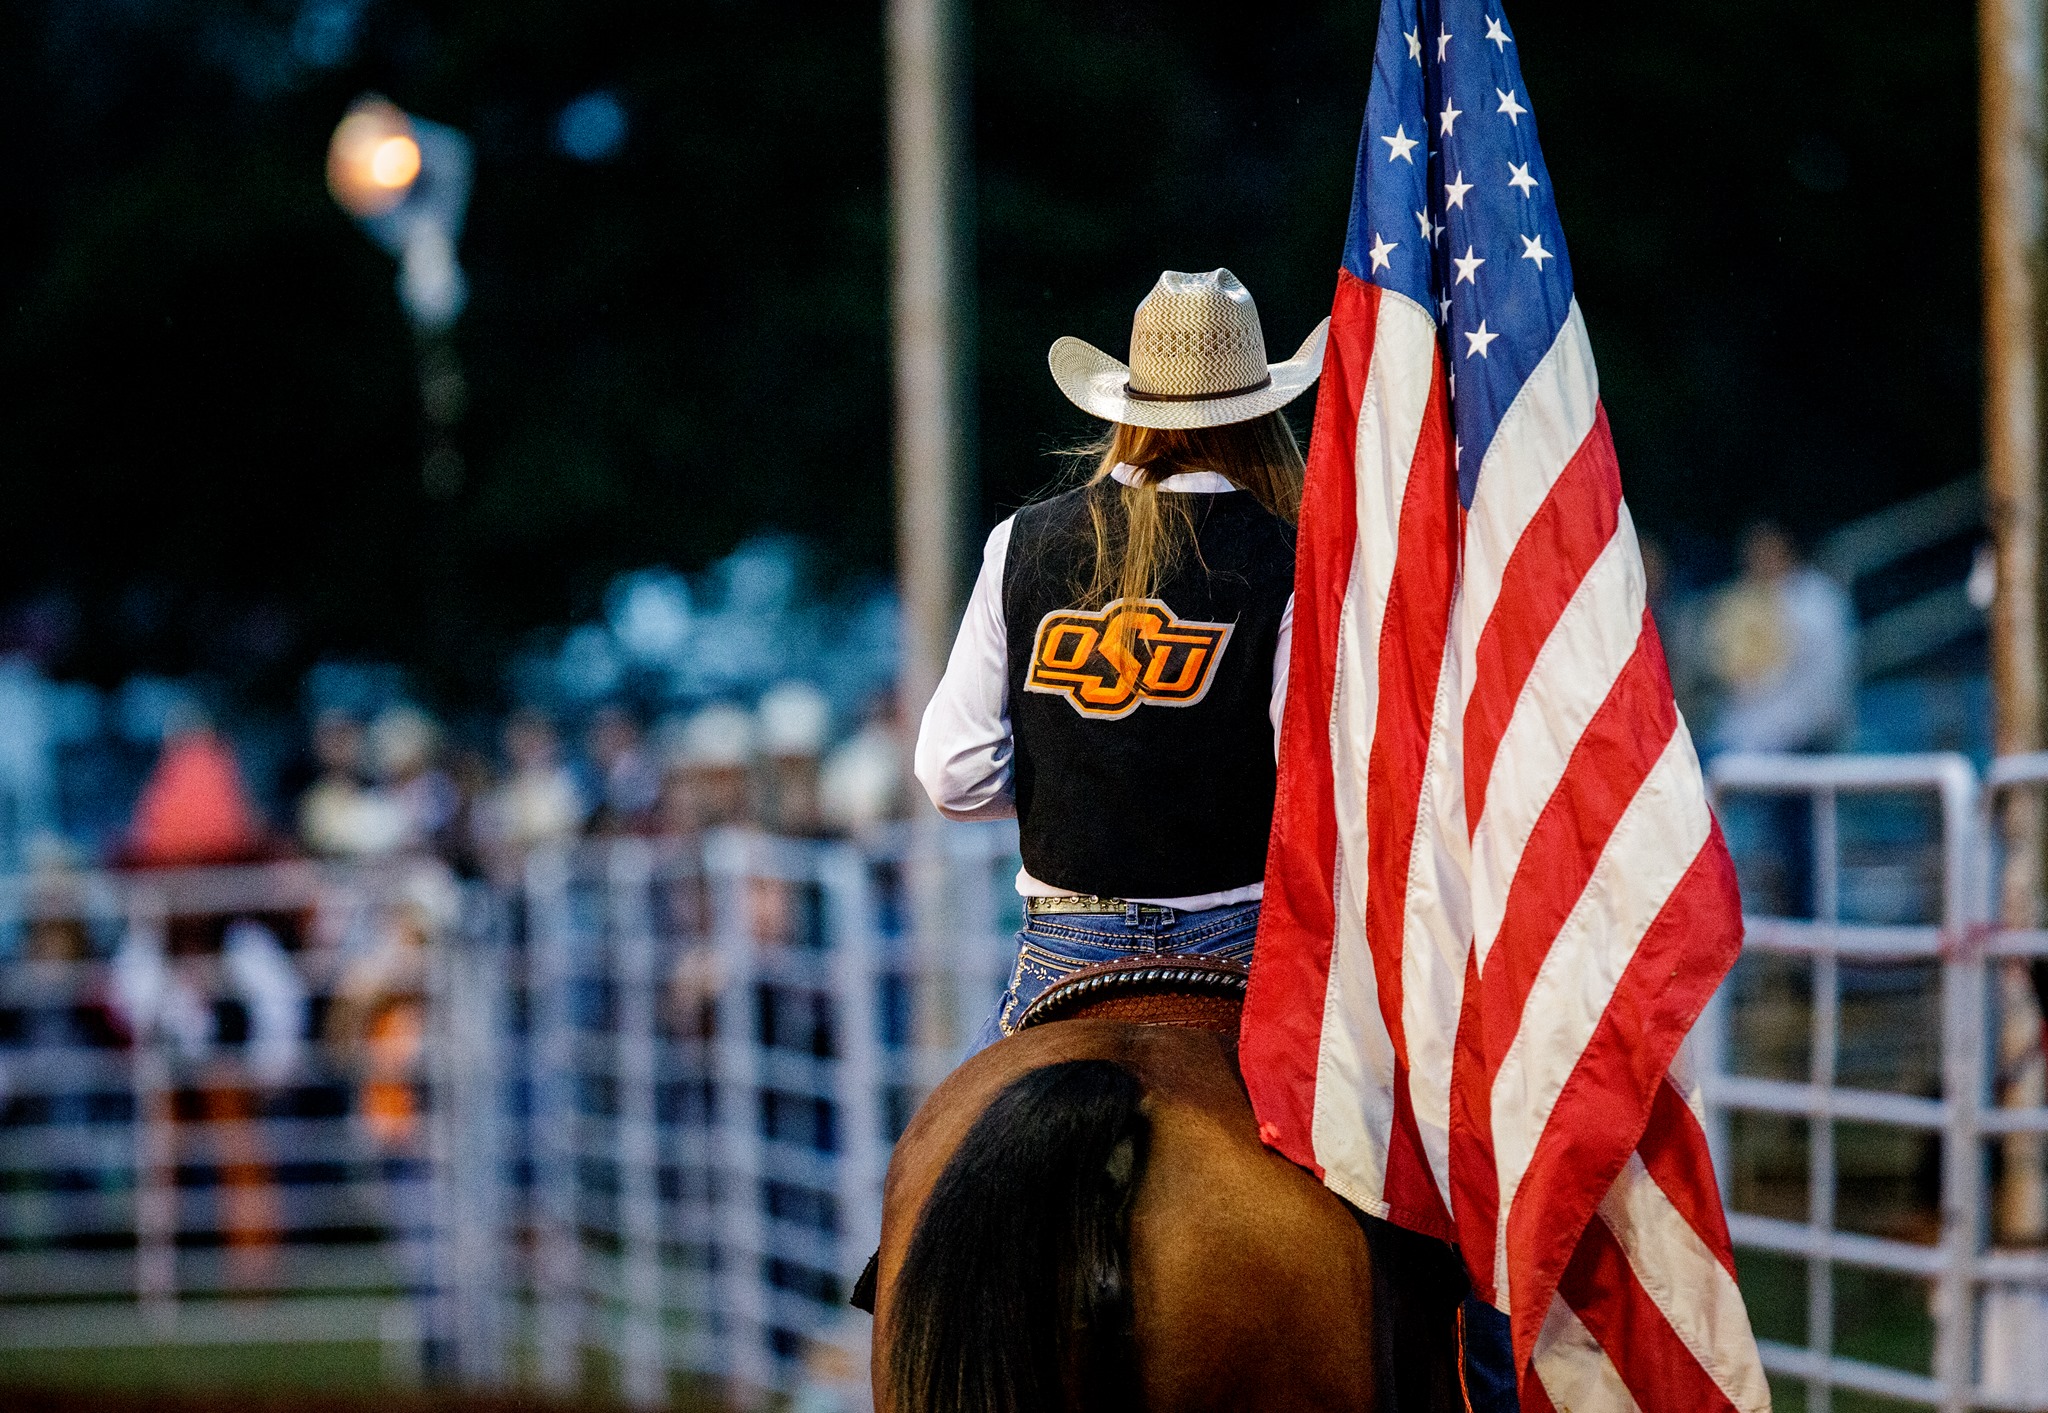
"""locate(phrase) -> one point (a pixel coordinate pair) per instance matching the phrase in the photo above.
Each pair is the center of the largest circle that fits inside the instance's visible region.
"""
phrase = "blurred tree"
(206, 392)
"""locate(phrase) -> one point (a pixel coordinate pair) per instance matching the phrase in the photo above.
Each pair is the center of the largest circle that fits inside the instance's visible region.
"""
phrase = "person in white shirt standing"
(1117, 682)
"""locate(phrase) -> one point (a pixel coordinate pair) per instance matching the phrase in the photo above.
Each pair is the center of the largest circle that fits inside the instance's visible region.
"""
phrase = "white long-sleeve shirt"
(965, 748)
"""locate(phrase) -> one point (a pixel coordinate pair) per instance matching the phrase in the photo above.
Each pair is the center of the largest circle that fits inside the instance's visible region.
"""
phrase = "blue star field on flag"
(1453, 207)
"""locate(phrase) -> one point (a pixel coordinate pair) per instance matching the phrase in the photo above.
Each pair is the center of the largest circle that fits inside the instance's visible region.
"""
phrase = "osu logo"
(1111, 662)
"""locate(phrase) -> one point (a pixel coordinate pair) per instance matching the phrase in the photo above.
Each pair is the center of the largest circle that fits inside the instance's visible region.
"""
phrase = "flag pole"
(926, 78)
(2010, 39)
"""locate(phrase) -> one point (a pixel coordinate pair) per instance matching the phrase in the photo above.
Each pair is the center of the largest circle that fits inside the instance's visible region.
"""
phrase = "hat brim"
(1100, 386)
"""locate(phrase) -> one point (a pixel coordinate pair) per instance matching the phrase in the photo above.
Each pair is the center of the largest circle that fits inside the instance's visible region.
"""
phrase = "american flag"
(1496, 900)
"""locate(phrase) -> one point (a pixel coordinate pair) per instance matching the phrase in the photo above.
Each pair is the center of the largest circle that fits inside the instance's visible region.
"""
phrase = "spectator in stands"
(218, 988)
(795, 722)
(403, 743)
(1781, 645)
(28, 782)
(473, 779)
(707, 770)
(379, 1018)
(194, 808)
(624, 783)
(861, 783)
(342, 816)
(537, 803)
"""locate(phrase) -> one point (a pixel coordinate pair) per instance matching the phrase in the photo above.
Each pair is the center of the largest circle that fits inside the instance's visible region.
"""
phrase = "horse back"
(1252, 1284)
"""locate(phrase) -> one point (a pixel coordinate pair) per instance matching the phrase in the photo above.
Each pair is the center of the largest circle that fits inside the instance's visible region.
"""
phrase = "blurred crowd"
(386, 786)
(745, 695)
(297, 994)
(742, 696)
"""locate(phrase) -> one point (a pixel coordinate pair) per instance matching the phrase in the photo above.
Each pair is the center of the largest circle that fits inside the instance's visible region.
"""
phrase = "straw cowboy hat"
(1198, 359)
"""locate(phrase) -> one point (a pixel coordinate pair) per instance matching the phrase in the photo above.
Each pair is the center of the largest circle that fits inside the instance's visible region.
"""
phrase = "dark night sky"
(207, 403)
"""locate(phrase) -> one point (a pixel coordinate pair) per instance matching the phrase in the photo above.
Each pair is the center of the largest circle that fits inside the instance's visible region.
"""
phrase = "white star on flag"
(1443, 42)
(1428, 230)
(1450, 116)
(1414, 38)
(1479, 341)
(1443, 310)
(1468, 267)
(1520, 179)
(1402, 145)
(1454, 192)
(1498, 35)
(1533, 250)
(1381, 249)
(1508, 105)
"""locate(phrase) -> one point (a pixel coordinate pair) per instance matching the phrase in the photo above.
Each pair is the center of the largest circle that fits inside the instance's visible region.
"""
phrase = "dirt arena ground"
(25, 1400)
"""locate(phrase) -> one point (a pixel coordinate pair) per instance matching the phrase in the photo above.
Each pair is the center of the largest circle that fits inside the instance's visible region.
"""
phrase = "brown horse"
(1083, 1217)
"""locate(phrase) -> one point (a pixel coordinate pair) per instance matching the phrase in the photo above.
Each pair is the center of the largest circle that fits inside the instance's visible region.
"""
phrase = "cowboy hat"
(1198, 359)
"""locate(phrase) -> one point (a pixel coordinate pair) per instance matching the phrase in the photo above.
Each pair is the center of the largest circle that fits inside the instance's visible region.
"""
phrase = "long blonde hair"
(1139, 551)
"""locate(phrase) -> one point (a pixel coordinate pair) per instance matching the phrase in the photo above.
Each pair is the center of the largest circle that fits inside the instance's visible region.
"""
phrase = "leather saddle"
(1191, 993)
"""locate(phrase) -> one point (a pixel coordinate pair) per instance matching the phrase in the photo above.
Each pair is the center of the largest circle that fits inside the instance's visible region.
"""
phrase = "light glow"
(395, 162)
(373, 159)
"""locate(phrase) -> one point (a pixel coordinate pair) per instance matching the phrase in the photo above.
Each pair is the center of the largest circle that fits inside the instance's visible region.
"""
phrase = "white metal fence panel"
(1865, 880)
(721, 1050)
(180, 1159)
(629, 1119)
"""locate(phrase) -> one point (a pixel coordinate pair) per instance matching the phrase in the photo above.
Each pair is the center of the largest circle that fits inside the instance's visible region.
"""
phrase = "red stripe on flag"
(1560, 543)
(1475, 1183)
(1413, 639)
(1282, 1030)
(1604, 1108)
(1674, 1149)
(1534, 1398)
(1658, 1367)
(1614, 755)
(1607, 767)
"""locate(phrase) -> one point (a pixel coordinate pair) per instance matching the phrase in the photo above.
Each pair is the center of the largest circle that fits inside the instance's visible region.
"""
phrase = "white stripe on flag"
(1593, 640)
(1545, 426)
(1436, 932)
(1694, 1291)
(1652, 847)
(1576, 1372)
(1354, 1115)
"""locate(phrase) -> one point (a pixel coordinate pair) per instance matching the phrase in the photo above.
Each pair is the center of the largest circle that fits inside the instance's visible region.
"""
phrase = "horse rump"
(1015, 1296)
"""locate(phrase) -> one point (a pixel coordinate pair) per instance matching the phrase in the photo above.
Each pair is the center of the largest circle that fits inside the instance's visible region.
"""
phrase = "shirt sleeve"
(964, 747)
(1283, 652)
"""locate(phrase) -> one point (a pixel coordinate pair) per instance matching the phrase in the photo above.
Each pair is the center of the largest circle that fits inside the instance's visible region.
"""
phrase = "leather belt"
(1100, 906)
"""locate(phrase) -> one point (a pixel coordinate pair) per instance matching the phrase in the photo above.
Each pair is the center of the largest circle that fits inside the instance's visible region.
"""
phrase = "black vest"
(1144, 744)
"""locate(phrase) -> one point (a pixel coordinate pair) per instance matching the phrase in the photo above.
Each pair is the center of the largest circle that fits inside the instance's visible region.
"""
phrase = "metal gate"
(1848, 1076)
(627, 1120)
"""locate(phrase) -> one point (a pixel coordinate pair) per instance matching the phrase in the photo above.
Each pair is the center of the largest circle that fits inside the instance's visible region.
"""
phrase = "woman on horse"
(1117, 686)
(1118, 677)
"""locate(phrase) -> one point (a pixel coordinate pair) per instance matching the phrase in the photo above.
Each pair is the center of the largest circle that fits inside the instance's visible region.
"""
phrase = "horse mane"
(1015, 1296)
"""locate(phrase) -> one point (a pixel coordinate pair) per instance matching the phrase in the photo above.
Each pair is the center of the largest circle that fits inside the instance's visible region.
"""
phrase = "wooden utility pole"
(2010, 36)
(925, 111)
(927, 186)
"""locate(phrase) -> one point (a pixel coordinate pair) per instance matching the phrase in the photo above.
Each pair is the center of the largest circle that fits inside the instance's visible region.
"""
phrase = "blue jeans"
(1053, 946)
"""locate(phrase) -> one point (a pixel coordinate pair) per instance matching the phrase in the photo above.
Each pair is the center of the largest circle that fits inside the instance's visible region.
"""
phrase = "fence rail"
(1873, 897)
(634, 1111)
(637, 1107)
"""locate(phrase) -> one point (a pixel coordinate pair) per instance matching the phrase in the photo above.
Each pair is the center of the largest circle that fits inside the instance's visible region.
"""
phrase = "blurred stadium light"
(406, 181)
